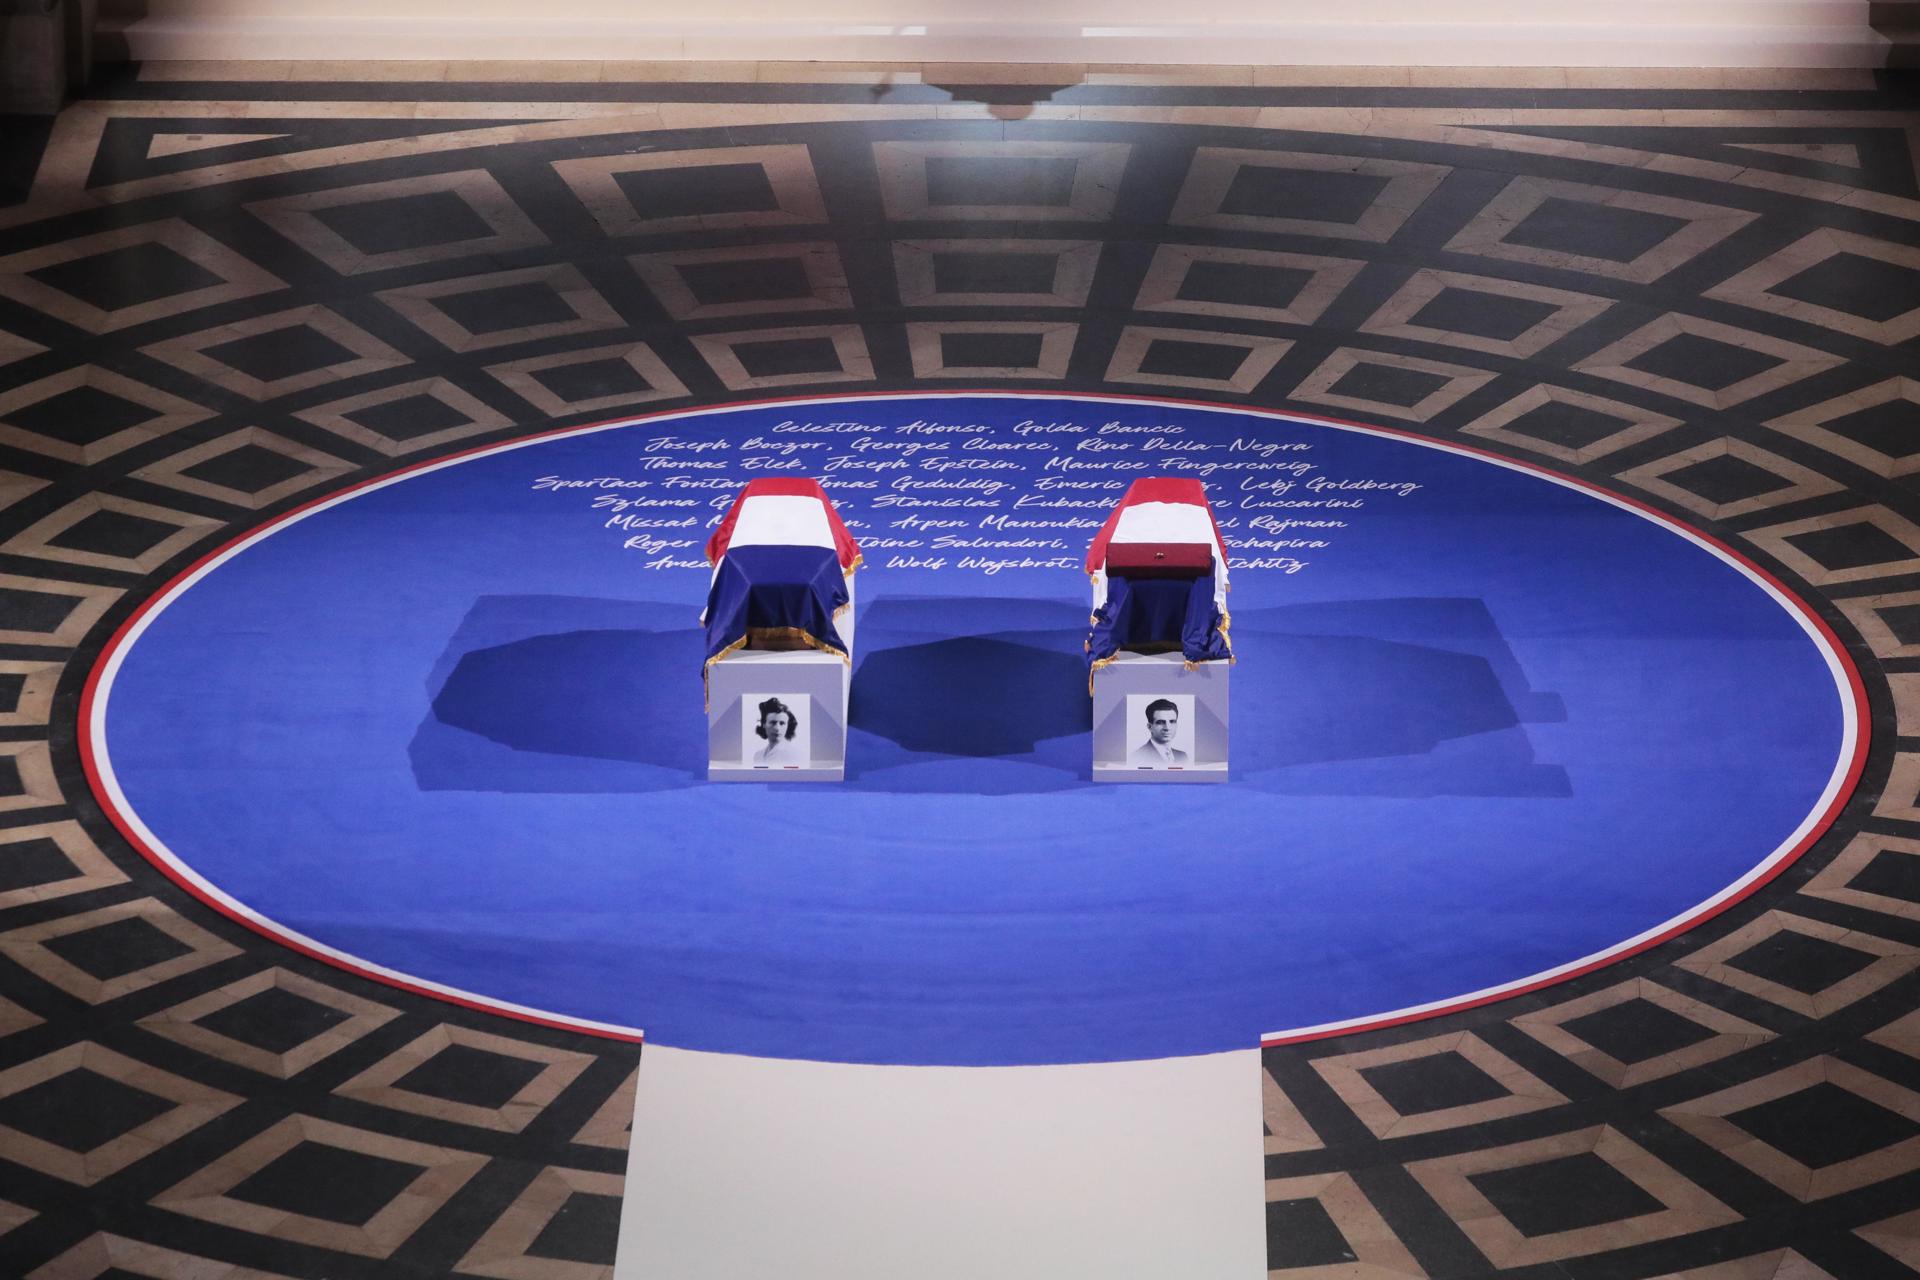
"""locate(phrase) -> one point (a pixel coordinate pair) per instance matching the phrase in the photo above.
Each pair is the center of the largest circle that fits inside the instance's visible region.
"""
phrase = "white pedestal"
(814, 684)
(1123, 689)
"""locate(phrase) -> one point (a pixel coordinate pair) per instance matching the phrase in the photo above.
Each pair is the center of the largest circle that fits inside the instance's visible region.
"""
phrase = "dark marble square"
(461, 1073)
(1851, 546)
(994, 272)
(703, 189)
(12, 685)
(1857, 285)
(1637, 1030)
(1387, 384)
(772, 359)
(593, 379)
(1482, 315)
(1436, 1082)
(750, 280)
(80, 1110)
(990, 350)
(11, 783)
(1570, 426)
(511, 306)
(322, 1181)
(116, 949)
(1592, 230)
(585, 1230)
(1265, 191)
(80, 416)
(34, 610)
(114, 533)
(1801, 963)
(274, 1020)
(1824, 1125)
(410, 417)
(990, 180)
(1301, 1233)
(283, 353)
(405, 222)
(1892, 428)
(23, 141)
(1726, 479)
(1242, 284)
(1702, 362)
(33, 862)
(1904, 621)
(1172, 357)
(1564, 1194)
(127, 277)
(1891, 875)
(247, 469)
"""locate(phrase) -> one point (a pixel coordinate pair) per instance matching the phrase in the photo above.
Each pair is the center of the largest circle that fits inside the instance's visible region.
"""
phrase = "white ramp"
(756, 1168)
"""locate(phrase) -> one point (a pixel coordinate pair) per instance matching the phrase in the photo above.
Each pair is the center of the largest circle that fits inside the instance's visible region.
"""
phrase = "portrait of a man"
(1163, 724)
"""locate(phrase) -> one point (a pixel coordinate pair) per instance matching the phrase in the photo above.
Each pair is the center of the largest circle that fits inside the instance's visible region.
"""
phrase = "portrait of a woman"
(777, 728)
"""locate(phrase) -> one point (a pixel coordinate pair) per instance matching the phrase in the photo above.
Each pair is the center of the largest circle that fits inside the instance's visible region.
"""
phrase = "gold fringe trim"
(1226, 622)
(763, 633)
(1095, 666)
(706, 686)
(797, 633)
(859, 558)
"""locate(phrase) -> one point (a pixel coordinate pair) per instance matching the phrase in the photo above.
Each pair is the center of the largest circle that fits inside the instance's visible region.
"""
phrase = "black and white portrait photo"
(1163, 728)
(775, 732)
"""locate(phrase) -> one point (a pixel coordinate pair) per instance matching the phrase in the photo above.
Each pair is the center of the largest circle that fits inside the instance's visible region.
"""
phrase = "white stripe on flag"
(781, 521)
(1169, 522)
(1163, 522)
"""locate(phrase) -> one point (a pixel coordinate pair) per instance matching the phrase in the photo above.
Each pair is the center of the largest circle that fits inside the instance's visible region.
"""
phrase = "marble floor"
(228, 288)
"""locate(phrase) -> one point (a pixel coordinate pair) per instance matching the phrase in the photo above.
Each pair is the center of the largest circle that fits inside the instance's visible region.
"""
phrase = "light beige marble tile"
(1003, 73)
(1378, 1252)
(1345, 1074)
(1886, 959)
(163, 70)
(1686, 1208)
(1706, 1118)
(1142, 73)
(92, 869)
(502, 1252)
(1730, 1035)
(880, 73)
(1317, 77)
(194, 1105)
(102, 1252)
(443, 1171)
(1802, 482)
(374, 70)
(550, 71)
(1487, 77)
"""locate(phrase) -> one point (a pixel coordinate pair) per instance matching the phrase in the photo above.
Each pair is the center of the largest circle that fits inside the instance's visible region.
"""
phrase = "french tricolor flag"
(782, 571)
(783, 512)
(1160, 509)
